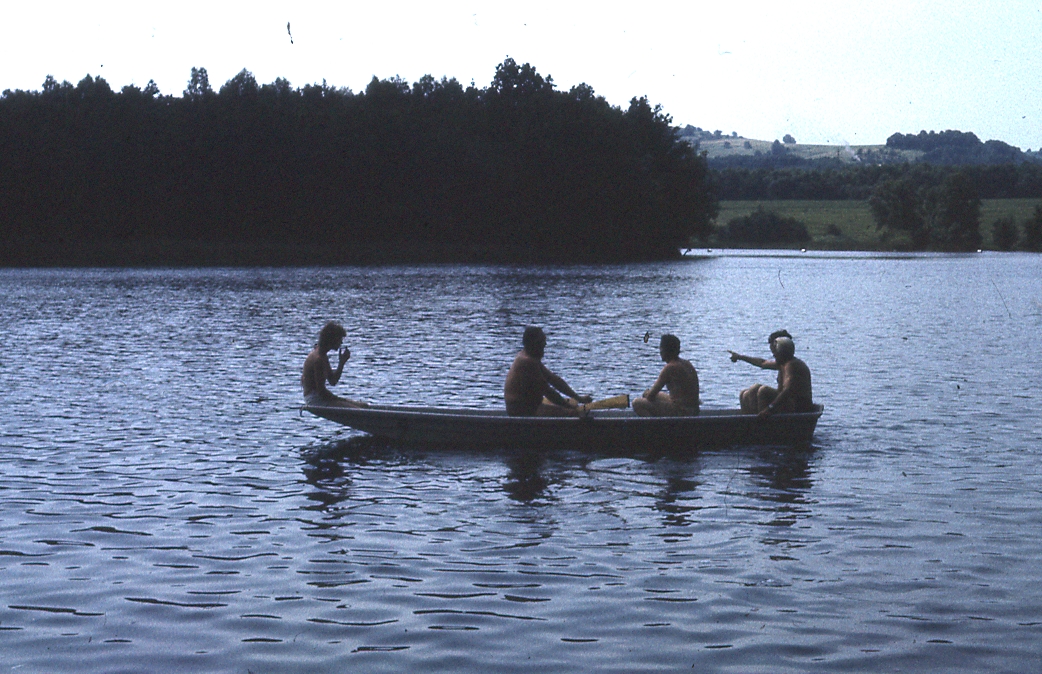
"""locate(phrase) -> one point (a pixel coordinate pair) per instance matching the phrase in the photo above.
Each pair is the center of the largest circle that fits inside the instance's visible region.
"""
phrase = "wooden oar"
(619, 402)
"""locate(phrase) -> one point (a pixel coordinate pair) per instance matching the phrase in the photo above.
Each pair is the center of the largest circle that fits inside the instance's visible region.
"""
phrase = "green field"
(854, 220)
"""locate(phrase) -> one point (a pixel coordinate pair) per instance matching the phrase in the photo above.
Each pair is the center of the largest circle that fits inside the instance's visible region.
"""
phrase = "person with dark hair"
(794, 392)
(317, 370)
(529, 381)
(679, 377)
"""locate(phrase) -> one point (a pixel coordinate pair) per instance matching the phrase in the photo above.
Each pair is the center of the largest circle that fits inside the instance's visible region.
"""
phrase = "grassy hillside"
(854, 220)
(729, 147)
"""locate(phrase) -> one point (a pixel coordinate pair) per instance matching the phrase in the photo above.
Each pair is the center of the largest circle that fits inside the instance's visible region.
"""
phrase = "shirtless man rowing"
(529, 381)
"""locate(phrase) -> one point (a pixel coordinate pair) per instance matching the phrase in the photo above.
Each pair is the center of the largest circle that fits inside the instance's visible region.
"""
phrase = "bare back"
(795, 376)
(316, 371)
(681, 380)
(525, 385)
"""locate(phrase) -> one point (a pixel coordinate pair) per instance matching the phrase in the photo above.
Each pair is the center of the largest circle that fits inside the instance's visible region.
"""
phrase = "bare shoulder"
(524, 366)
(679, 368)
(795, 368)
(523, 361)
(316, 360)
(683, 365)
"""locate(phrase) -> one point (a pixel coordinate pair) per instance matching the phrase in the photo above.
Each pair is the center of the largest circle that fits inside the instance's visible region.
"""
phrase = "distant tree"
(280, 88)
(243, 85)
(954, 213)
(734, 134)
(727, 144)
(747, 145)
(764, 227)
(777, 148)
(957, 148)
(896, 206)
(718, 134)
(788, 139)
(936, 210)
(1033, 231)
(512, 80)
(90, 87)
(1004, 233)
(931, 141)
(198, 85)
(53, 90)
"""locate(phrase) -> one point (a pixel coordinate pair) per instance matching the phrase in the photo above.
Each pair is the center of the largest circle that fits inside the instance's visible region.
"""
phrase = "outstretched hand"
(734, 356)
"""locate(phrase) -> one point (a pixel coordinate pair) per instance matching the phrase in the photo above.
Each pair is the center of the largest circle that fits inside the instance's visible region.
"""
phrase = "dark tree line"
(955, 148)
(939, 209)
(837, 182)
(1007, 236)
(428, 171)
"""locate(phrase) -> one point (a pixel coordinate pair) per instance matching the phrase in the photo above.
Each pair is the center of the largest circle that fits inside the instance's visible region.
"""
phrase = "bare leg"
(345, 402)
(642, 407)
(551, 410)
(661, 406)
(764, 397)
(747, 398)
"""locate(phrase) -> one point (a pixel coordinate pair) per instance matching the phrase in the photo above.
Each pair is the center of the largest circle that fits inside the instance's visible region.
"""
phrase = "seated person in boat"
(794, 384)
(317, 370)
(748, 396)
(529, 381)
(679, 377)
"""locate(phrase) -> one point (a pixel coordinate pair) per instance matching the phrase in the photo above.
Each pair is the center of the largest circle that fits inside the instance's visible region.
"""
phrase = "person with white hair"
(794, 392)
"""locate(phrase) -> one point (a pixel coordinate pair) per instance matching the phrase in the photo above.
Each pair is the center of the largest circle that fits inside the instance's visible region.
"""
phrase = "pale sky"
(826, 72)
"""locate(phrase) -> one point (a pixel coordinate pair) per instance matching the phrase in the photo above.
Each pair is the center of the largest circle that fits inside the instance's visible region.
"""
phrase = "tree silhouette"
(1032, 239)
(1004, 233)
(267, 173)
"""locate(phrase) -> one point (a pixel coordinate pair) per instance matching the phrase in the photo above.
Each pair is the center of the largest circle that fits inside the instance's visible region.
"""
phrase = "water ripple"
(165, 507)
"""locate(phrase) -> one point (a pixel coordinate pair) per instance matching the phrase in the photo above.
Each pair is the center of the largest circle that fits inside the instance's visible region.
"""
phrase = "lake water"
(165, 507)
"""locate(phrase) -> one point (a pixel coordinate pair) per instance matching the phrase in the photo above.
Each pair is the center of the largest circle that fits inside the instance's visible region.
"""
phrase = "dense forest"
(262, 174)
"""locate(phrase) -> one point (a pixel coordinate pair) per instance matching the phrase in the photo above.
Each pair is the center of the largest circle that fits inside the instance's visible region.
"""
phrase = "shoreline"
(246, 257)
(183, 254)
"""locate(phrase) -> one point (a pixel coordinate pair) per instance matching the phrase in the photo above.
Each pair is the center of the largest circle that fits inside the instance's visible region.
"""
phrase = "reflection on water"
(673, 501)
(525, 482)
(784, 475)
(164, 506)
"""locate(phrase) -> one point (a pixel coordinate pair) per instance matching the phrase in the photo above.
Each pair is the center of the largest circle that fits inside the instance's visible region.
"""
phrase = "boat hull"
(619, 430)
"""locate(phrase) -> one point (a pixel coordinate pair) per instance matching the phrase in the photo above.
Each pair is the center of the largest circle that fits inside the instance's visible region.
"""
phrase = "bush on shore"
(762, 227)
